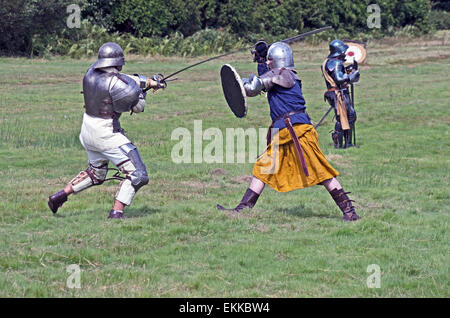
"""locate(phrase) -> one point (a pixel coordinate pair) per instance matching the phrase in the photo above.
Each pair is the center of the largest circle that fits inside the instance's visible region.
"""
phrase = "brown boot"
(247, 202)
(345, 204)
(55, 201)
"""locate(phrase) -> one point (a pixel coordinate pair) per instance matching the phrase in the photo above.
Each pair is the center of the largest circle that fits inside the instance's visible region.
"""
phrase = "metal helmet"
(337, 47)
(110, 54)
(281, 56)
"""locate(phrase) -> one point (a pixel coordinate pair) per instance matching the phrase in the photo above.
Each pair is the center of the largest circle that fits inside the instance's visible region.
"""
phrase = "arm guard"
(338, 72)
(252, 85)
(142, 80)
(140, 106)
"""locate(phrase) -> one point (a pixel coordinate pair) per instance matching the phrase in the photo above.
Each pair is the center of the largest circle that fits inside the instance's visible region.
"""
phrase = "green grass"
(175, 243)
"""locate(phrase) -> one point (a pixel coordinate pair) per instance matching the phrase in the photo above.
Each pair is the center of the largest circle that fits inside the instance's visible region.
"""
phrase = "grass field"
(175, 243)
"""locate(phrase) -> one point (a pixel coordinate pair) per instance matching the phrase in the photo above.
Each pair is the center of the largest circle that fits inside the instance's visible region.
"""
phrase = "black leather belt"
(286, 115)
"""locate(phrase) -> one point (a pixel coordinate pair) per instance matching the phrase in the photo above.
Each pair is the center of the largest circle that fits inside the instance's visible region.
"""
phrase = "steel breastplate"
(97, 99)
(336, 69)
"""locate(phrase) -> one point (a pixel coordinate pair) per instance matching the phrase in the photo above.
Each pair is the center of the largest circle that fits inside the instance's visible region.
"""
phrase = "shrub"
(28, 26)
(247, 18)
(168, 27)
(90, 37)
(440, 19)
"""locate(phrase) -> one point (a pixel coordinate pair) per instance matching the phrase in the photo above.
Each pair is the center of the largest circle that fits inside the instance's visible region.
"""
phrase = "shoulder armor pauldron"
(336, 69)
(332, 64)
(281, 76)
(124, 93)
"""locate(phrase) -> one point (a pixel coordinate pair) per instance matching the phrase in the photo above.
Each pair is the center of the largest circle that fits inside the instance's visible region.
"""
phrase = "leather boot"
(247, 202)
(55, 201)
(114, 214)
(345, 204)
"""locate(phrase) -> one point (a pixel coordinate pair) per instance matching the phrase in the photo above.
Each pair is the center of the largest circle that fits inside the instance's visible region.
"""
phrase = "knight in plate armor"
(338, 78)
(107, 94)
(293, 159)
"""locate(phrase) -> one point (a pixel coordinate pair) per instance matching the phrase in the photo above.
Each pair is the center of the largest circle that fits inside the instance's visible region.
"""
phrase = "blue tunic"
(285, 100)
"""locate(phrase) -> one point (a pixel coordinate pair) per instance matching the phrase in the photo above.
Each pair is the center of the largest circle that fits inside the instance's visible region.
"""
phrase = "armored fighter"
(338, 78)
(107, 94)
(293, 159)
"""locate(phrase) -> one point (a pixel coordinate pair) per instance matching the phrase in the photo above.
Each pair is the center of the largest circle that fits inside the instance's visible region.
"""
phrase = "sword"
(301, 36)
(294, 137)
(288, 40)
(323, 117)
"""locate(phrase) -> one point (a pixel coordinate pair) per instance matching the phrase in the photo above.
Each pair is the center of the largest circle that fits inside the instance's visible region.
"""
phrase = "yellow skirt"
(285, 173)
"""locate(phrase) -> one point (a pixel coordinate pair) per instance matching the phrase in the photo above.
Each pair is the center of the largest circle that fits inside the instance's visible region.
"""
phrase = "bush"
(440, 19)
(254, 17)
(34, 27)
(29, 26)
(88, 39)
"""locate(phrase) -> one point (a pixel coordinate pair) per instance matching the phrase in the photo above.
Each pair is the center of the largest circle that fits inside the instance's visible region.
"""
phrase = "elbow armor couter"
(253, 85)
(282, 77)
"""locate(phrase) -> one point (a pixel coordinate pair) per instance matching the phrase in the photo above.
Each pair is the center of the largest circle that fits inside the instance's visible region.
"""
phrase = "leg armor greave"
(95, 174)
(337, 135)
(348, 138)
(135, 173)
(351, 115)
(349, 133)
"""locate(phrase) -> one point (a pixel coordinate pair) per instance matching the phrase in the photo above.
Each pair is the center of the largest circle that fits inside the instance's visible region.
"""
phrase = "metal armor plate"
(124, 93)
(97, 100)
(281, 76)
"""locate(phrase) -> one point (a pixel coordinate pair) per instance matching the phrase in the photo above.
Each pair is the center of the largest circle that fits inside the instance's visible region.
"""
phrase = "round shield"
(233, 90)
(355, 51)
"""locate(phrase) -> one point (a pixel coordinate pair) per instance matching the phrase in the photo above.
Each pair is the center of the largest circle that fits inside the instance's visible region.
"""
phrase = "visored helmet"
(281, 55)
(110, 54)
(337, 47)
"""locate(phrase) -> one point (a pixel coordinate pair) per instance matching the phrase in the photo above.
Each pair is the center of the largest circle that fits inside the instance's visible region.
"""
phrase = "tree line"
(33, 27)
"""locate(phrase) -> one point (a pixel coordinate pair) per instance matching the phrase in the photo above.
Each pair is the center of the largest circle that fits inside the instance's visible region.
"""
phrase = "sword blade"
(201, 62)
(288, 40)
(323, 117)
(301, 36)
